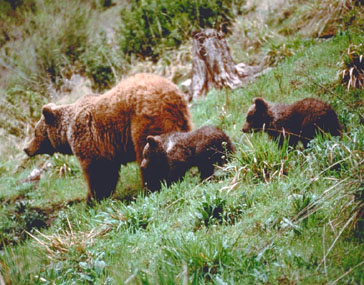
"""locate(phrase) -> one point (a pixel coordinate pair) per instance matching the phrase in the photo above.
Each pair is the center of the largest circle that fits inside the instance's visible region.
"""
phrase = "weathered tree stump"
(213, 66)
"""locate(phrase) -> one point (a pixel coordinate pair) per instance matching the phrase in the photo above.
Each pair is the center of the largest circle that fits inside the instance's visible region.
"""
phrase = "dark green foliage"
(300, 203)
(137, 219)
(214, 209)
(24, 218)
(31, 217)
(211, 210)
(57, 48)
(151, 26)
(101, 63)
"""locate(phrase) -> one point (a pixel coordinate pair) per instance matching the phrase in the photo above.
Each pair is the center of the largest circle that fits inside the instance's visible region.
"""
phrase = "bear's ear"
(49, 113)
(154, 141)
(260, 103)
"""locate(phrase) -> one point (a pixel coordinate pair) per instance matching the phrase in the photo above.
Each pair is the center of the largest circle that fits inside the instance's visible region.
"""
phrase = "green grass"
(271, 215)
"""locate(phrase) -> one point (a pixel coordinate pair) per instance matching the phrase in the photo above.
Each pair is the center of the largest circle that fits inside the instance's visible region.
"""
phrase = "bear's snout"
(31, 149)
(246, 128)
(28, 152)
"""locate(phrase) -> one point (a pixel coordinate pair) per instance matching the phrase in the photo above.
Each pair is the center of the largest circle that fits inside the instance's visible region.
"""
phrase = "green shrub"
(61, 43)
(215, 209)
(152, 26)
(103, 63)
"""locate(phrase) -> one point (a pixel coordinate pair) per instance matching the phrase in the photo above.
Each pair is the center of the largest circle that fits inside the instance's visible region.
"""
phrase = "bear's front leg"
(102, 176)
(206, 170)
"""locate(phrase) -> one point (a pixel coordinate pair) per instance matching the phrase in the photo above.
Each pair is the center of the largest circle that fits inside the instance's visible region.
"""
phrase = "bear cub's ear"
(49, 113)
(154, 141)
(260, 103)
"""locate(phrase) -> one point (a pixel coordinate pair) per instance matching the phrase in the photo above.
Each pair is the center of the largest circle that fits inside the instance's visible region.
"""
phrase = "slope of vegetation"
(269, 216)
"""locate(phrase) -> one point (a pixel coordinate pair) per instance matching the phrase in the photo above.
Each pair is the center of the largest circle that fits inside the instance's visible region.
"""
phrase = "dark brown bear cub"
(167, 157)
(299, 121)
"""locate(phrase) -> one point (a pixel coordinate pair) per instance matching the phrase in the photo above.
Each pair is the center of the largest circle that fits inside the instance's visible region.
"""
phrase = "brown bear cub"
(108, 130)
(167, 157)
(299, 121)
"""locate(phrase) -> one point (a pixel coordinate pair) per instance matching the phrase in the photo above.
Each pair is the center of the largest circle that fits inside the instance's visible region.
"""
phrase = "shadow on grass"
(22, 217)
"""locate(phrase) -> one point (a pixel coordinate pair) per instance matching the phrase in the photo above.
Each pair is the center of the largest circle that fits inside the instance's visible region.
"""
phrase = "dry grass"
(58, 245)
(323, 16)
(351, 73)
(175, 65)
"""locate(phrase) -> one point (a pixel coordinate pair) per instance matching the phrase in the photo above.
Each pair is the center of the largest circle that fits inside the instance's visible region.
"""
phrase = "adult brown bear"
(299, 121)
(108, 130)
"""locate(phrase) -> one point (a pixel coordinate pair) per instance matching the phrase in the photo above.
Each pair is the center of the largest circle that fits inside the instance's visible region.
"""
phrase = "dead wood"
(213, 65)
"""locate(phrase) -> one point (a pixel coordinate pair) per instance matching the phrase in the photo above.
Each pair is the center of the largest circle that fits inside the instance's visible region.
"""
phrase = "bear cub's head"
(41, 142)
(154, 166)
(259, 116)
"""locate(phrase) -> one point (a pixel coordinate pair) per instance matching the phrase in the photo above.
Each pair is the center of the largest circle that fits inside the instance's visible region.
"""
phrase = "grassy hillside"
(269, 216)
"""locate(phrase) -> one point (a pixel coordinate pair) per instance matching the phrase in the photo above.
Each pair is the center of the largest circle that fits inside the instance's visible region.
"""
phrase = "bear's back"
(303, 112)
(148, 96)
(311, 115)
(143, 88)
(202, 140)
(311, 107)
(316, 112)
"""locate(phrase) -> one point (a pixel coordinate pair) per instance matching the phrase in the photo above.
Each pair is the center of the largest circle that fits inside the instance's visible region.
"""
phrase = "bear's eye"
(249, 118)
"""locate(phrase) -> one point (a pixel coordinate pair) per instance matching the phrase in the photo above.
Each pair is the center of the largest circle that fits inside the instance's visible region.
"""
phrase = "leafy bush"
(103, 64)
(211, 210)
(21, 219)
(214, 209)
(64, 41)
(152, 26)
(138, 218)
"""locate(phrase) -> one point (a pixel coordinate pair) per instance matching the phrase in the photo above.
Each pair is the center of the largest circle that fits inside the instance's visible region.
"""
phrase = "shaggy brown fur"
(299, 121)
(168, 156)
(108, 130)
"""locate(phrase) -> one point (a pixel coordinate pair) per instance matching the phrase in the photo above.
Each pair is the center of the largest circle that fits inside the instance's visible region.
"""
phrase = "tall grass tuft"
(351, 72)
(263, 160)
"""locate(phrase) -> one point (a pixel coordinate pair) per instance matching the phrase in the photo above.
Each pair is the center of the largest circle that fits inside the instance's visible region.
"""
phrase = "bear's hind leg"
(102, 176)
